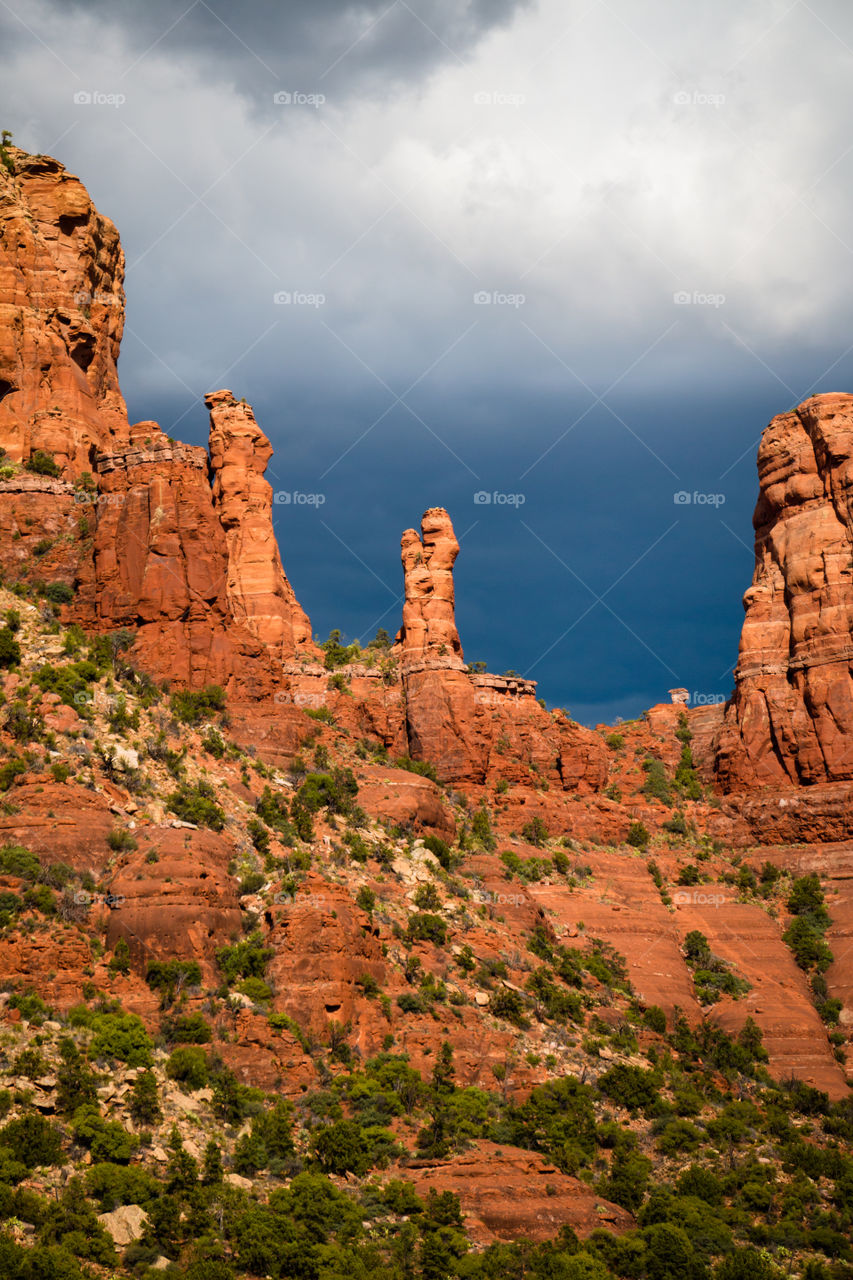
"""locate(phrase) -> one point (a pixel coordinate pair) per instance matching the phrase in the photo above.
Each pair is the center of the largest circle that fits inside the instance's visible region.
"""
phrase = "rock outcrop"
(507, 1193)
(791, 718)
(131, 520)
(468, 725)
(429, 634)
(159, 566)
(258, 593)
(61, 316)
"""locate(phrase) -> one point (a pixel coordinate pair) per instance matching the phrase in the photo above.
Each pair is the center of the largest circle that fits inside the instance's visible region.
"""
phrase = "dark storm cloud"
(671, 201)
(348, 47)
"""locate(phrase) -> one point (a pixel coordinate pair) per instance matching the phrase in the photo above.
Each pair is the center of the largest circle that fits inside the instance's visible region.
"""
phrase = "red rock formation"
(182, 903)
(472, 726)
(258, 592)
(429, 623)
(791, 718)
(506, 1194)
(61, 316)
(197, 573)
(159, 566)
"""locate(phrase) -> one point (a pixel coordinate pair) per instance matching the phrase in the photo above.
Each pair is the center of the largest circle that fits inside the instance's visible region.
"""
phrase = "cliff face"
(151, 534)
(258, 593)
(791, 717)
(61, 316)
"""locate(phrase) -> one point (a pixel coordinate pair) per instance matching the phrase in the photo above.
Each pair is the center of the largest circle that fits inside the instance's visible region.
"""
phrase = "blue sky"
(573, 255)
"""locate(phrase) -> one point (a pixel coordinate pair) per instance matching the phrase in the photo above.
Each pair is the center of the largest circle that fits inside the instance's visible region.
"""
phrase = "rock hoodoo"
(429, 622)
(791, 718)
(258, 592)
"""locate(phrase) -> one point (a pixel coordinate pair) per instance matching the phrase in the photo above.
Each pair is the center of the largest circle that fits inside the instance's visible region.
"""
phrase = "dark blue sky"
(656, 211)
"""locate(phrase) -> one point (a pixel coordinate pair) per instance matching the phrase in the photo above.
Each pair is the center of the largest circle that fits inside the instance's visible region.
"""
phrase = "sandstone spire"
(429, 624)
(259, 594)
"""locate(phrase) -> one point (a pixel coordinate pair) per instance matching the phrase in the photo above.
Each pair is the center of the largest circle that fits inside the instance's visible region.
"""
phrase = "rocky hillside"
(323, 961)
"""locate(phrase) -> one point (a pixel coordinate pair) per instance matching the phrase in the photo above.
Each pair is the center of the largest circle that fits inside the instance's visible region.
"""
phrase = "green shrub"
(441, 850)
(122, 1036)
(196, 804)
(58, 593)
(42, 463)
(144, 1100)
(10, 770)
(426, 927)
(615, 741)
(535, 832)
(107, 1139)
(188, 1065)
(508, 1004)
(343, 1148)
(121, 840)
(193, 1028)
(17, 861)
(481, 829)
(366, 899)
(426, 898)
(191, 706)
(10, 650)
(171, 976)
(656, 785)
(245, 959)
(32, 1141)
(337, 654)
(638, 835)
(422, 767)
(630, 1087)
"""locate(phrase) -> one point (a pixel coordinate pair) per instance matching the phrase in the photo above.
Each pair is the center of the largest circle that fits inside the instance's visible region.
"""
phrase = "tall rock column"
(440, 704)
(259, 594)
(791, 717)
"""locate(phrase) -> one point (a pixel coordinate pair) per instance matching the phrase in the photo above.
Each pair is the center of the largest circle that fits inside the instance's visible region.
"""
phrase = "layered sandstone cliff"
(791, 717)
(61, 316)
(151, 534)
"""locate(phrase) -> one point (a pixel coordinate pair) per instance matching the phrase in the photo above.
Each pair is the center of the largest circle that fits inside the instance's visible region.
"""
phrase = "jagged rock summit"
(152, 534)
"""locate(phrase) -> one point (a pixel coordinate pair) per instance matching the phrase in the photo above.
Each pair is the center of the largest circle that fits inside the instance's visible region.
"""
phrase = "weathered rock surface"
(507, 1193)
(177, 899)
(472, 726)
(258, 592)
(125, 1224)
(791, 718)
(61, 316)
